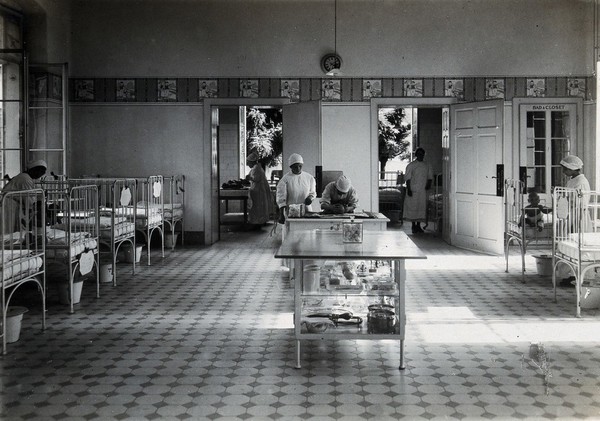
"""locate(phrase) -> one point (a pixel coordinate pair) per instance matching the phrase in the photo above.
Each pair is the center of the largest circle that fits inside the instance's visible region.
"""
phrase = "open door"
(476, 145)
(302, 134)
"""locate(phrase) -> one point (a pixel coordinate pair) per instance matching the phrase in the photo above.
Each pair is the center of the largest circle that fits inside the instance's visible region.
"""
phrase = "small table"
(234, 194)
(393, 246)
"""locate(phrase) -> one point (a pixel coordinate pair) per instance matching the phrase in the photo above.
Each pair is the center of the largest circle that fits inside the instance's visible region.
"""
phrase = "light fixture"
(331, 63)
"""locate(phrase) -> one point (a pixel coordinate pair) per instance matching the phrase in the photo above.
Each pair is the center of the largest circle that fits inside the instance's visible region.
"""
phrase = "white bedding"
(19, 264)
(590, 249)
(120, 229)
(173, 213)
(105, 222)
(170, 206)
(14, 238)
(56, 242)
(143, 221)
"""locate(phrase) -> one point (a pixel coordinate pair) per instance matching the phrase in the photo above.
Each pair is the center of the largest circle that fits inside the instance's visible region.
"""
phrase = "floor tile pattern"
(206, 333)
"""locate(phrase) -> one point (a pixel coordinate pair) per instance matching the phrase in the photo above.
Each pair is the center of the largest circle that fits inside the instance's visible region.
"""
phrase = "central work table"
(349, 290)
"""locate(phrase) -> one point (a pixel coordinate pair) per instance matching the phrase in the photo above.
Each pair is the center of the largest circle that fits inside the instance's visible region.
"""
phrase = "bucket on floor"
(106, 272)
(14, 317)
(590, 296)
(64, 293)
(128, 253)
(171, 240)
(543, 262)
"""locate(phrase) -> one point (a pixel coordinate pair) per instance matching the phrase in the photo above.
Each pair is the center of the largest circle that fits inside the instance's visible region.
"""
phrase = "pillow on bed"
(13, 238)
(55, 234)
(589, 238)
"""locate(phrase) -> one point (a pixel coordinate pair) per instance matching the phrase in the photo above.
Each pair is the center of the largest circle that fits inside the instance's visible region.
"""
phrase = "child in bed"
(534, 211)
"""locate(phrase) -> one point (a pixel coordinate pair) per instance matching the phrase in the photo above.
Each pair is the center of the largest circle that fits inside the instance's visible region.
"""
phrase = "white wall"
(141, 140)
(229, 38)
(346, 140)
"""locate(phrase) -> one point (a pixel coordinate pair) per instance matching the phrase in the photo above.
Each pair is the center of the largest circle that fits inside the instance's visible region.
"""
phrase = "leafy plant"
(393, 132)
(264, 135)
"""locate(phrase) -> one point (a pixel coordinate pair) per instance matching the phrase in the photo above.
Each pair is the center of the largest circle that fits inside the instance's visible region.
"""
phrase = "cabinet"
(349, 290)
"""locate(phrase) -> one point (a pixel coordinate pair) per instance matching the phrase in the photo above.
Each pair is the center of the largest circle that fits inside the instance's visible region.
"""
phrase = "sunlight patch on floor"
(460, 325)
(453, 262)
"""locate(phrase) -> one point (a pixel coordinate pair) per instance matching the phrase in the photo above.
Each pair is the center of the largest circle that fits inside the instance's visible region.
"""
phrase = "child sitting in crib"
(534, 211)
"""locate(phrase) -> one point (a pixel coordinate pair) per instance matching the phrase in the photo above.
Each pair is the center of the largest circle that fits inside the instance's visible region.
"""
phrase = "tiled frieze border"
(181, 90)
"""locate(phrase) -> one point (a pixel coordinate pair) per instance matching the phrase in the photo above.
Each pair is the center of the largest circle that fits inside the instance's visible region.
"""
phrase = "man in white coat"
(295, 187)
(419, 176)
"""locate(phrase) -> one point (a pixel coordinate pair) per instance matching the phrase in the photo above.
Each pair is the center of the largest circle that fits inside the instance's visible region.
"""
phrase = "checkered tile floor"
(206, 333)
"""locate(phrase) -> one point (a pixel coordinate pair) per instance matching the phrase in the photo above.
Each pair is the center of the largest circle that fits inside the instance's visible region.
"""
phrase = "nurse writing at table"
(339, 196)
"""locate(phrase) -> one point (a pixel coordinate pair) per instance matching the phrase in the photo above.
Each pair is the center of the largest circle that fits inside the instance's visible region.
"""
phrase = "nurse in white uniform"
(419, 176)
(572, 167)
(295, 187)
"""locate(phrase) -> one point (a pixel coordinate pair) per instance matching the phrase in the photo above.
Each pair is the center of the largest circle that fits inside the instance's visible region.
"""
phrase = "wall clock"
(331, 61)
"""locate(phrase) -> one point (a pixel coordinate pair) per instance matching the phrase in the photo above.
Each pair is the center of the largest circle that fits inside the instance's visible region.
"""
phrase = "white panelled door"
(476, 143)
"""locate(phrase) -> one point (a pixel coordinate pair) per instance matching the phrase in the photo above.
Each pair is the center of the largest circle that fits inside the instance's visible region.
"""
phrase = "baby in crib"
(534, 211)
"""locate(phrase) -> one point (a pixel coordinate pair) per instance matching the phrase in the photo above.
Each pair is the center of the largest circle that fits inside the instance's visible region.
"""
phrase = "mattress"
(120, 212)
(54, 251)
(591, 247)
(19, 264)
(120, 229)
(173, 213)
(57, 247)
(170, 206)
(77, 223)
(152, 219)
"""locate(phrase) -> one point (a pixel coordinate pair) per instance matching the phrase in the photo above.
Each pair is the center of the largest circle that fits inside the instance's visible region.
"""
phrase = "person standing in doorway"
(419, 176)
(260, 203)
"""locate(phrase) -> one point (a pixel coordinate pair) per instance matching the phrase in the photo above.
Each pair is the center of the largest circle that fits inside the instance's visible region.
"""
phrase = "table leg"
(298, 354)
(402, 363)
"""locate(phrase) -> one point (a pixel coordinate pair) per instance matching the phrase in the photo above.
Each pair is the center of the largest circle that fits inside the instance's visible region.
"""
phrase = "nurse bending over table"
(339, 197)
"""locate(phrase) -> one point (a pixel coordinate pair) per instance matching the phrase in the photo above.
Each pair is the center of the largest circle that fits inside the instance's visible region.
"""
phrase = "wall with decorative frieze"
(327, 89)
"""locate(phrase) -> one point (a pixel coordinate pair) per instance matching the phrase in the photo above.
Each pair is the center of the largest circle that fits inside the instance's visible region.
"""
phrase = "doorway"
(212, 184)
(403, 129)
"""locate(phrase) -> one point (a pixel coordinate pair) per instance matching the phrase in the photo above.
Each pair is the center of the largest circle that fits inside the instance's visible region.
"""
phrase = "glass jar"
(352, 231)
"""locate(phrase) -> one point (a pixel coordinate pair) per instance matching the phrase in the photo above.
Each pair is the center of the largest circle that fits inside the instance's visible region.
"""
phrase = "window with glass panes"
(549, 134)
(11, 94)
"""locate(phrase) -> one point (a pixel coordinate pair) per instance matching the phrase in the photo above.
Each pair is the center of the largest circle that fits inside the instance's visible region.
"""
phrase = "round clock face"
(330, 62)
